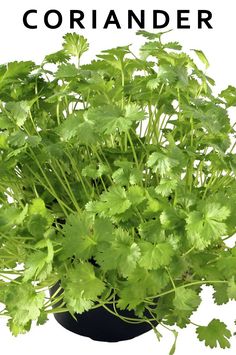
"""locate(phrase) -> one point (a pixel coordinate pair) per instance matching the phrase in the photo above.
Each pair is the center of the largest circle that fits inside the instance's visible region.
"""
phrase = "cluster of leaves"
(118, 180)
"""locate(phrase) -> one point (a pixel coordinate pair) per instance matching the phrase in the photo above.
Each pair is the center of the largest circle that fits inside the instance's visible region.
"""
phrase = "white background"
(19, 43)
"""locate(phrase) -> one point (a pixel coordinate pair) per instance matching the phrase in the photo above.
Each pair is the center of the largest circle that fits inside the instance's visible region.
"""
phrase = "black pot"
(99, 324)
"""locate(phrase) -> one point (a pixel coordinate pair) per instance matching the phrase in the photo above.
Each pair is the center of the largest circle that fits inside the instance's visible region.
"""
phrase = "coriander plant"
(117, 178)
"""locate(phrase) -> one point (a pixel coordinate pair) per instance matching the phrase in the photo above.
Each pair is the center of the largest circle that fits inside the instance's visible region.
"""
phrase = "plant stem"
(133, 150)
(195, 283)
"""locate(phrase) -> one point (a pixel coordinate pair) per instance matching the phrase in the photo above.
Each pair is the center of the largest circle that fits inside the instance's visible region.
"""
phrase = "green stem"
(58, 113)
(78, 174)
(68, 189)
(133, 150)
(61, 203)
(32, 121)
(187, 285)
(171, 279)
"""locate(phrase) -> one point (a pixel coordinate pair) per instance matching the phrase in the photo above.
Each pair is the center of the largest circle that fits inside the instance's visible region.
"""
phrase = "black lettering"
(59, 19)
(204, 19)
(25, 19)
(132, 16)
(94, 18)
(166, 18)
(77, 20)
(181, 18)
(112, 20)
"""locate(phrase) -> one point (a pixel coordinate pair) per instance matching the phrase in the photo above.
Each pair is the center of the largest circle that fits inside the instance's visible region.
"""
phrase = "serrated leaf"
(155, 256)
(3, 140)
(229, 95)
(205, 226)
(103, 229)
(121, 254)
(111, 203)
(151, 231)
(79, 240)
(17, 139)
(37, 207)
(23, 303)
(136, 195)
(75, 44)
(173, 45)
(152, 35)
(161, 163)
(107, 119)
(37, 225)
(214, 334)
(82, 288)
(66, 71)
(166, 186)
(14, 70)
(70, 127)
(220, 295)
(37, 266)
(19, 111)
(186, 299)
(57, 57)
(10, 216)
(231, 290)
(202, 57)
(170, 219)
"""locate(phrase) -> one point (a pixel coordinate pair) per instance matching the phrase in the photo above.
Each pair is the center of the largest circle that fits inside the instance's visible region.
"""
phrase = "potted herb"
(117, 191)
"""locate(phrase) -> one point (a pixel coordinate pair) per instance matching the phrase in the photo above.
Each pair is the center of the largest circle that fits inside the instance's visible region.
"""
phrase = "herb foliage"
(118, 179)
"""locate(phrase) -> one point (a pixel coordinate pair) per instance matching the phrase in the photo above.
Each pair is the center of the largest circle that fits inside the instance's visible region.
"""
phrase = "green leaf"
(16, 70)
(70, 127)
(151, 231)
(202, 57)
(231, 290)
(229, 95)
(205, 226)
(220, 295)
(215, 211)
(155, 256)
(112, 202)
(151, 35)
(19, 111)
(17, 329)
(3, 140)
(37, 266)
(186, 299)
(161, 163)
(166, 186)
(170, 219)
(37, 207)
(130, 297)
(37, 225)
(121, 254)
(136, 195)
(23, 304)
(17, 139)
(173, 45)
(78, 241)
(66, 71)
(82, 288)
(103, 229)
(75, 44)
(214, 334)
(107, 119)
(226, 266)
(57, 57)
(11, 216)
